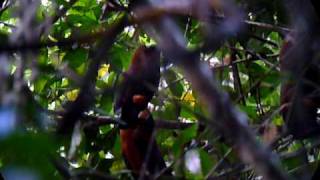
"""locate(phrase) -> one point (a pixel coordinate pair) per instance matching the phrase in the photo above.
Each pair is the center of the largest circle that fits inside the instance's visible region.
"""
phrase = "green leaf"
(185, 136)
(207, 162)
(77, 59)
(30, 151)
(175, 85)
(40, 84)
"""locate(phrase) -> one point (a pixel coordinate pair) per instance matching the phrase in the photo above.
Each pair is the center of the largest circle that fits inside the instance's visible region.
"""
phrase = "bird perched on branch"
(139, 84)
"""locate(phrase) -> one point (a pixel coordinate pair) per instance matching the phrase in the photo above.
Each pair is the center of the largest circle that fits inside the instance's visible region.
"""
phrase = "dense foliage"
(63, 59)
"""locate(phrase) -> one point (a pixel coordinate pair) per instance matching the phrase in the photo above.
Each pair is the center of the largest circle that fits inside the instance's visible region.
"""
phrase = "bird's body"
(141, 80)
(141, 151)
(140, 83)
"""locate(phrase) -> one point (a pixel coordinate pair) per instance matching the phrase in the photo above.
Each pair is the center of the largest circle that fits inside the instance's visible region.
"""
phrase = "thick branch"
(224, 116)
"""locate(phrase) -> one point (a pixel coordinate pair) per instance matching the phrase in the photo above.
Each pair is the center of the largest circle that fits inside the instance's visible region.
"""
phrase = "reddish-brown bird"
(140, 82)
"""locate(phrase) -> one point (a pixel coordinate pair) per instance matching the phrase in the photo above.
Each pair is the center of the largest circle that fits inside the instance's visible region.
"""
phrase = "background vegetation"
(63, 59)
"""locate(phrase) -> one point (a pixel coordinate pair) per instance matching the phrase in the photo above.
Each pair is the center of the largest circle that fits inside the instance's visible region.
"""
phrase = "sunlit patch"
(192, 161)
(229, 82)
(129, 30)
(52, 106)
(67, 33)
(213, 61)
(72, 95)
(151, 106)
(108, 155)
(311, 158)
(74, 164)
(189, 98)
(250, 15)
(103, 71)
(8, 121)
(45, 2)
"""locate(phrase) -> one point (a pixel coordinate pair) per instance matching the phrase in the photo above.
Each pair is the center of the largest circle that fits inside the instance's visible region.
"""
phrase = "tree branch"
(223, 115)
(86, 96)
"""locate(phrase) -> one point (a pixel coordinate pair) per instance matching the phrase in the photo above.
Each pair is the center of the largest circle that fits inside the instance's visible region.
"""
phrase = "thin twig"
(217, 165)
